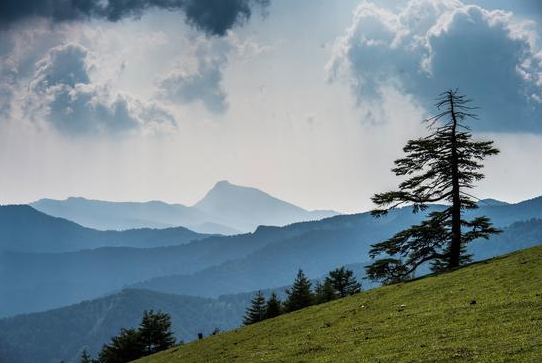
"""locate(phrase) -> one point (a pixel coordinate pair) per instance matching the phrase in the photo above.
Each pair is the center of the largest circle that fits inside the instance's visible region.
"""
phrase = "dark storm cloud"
(214, 17)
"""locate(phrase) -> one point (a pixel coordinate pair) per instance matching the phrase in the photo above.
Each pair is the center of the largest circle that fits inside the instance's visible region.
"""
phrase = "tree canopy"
(343, 281)
(299, 295)
(153, 335)
(256, 311)
(441, 167)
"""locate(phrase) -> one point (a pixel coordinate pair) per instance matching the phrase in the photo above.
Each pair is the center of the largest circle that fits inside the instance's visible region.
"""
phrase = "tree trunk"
(455, 246)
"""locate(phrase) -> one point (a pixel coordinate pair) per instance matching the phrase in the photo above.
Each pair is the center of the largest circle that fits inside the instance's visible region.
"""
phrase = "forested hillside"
(490, 311)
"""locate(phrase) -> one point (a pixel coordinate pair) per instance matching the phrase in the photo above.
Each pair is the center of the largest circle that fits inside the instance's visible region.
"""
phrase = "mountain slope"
(215, 265)
(246, 208)
(433, 319)
(503, 215)
(319, 251)
(62, 334)
(104, 215)
(38, 281)
(24, 229)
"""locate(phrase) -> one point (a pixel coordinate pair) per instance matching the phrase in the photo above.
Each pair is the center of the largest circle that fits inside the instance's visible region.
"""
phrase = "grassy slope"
(438, 324)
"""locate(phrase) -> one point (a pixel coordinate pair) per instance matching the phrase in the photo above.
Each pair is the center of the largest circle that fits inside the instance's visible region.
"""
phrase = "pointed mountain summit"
(245, 208)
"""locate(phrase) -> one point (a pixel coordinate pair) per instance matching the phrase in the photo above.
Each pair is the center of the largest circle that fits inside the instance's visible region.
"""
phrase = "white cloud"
(201, 81)
(433, 45)
(198, 76)
(47, 79)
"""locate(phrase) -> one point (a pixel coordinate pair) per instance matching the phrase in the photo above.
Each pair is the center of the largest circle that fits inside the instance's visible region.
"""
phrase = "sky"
(308, 100)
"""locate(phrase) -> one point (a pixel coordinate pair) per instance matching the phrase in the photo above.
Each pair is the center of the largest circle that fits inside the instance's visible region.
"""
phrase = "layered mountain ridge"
(226, 209)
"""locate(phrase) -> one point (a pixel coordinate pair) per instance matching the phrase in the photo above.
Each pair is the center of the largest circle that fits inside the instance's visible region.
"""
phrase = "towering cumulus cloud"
(213, 17)
(433, 45)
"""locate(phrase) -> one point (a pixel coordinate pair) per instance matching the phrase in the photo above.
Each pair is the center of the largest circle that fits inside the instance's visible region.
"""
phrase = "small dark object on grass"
(200, 336)
(473, 302)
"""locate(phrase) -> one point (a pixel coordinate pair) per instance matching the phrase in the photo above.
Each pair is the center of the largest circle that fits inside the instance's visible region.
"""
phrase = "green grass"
(438, 324)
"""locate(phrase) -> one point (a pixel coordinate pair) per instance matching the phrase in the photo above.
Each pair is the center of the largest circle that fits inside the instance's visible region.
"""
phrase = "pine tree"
(123, 348)
(324, 292)
(440, 167)
(300, 295)
(273, 307)
(256, 311)
(153, 335)
(155, 332)
(85, 357)
(344, 282)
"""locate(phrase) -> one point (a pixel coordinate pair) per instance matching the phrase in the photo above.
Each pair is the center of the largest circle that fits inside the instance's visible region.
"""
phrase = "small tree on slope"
(440, 167)
(256, 311)
(155, 332)
(124, 347)
(85, 357)
(344, 282)
(300, 295)
(273, 307)
(324, 291)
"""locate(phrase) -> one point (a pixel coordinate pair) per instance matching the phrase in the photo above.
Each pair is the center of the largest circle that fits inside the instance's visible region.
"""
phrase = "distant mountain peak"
(490, 202)
(222, 183)
(245, 208)
(226, 209)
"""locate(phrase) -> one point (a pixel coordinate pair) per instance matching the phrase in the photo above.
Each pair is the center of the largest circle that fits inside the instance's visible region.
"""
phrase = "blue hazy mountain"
(41, 337)
(316, 252)
(226, 209)
(503, 214)
(220, 264)
(24, 229)
(37, 281)
(246, 208)
(490, 202)
(103, 215)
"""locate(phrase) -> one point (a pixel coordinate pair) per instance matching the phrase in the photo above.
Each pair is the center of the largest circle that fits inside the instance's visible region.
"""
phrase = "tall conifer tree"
(123, 348)
(155, 332)
(273, 307)
(441, 167)
(256, 311)
(344, 282)
(324, 291)
(300, 294)
(85, 357)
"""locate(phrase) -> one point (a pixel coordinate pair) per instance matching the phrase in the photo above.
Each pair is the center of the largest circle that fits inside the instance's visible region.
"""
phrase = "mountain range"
(208, 266)
(42, 338)
(50, 262)
(226, 209)
(24, 229)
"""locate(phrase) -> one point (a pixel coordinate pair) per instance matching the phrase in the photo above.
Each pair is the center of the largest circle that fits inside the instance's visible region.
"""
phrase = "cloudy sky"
(309, 100)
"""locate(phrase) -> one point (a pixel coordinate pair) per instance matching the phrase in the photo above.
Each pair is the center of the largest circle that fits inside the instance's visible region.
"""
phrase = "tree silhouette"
(256, 311)
(344, 282)
(440, 167)
(85, 357)
(155, 332)
(273, 307)
(324, 292)
(153, 335)
(300, 295)
(124, 347)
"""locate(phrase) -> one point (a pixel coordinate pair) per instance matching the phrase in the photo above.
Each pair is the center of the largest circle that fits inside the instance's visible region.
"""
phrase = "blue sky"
(310, 100)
